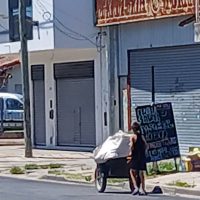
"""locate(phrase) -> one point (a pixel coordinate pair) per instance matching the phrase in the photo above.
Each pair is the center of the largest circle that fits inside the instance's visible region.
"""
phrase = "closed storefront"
(75, 104)
(177, 80)
(37, 75)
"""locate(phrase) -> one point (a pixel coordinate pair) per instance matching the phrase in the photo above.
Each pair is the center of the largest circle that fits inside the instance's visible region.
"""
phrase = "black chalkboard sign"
(158, 127)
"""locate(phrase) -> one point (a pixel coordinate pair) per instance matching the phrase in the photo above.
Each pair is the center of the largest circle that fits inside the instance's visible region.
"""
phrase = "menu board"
(158, 127)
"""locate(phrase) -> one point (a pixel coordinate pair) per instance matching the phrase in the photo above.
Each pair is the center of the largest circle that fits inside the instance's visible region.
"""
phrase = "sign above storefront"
(122, 11)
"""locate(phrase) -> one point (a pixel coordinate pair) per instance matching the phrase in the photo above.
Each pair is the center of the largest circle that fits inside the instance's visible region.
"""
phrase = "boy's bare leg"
(133, 178)
(142, 179)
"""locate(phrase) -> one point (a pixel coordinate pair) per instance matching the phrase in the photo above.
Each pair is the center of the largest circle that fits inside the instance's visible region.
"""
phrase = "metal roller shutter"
(177, 80)
(75, 104)
(74, 70)
(37, 75)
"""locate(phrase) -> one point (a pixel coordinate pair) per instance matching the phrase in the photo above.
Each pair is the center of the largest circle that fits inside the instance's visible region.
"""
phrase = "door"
(37, 72)
(75, 104)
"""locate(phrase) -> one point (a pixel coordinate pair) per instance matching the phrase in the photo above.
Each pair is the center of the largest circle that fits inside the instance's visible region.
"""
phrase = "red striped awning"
(9, 61)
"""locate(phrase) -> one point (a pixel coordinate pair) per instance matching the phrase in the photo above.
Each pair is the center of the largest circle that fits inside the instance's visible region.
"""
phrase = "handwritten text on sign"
(122, 11)
(158, 127)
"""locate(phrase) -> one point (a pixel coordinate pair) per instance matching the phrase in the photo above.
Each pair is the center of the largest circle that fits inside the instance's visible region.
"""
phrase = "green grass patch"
(166, 166)
(74, 176)
(55, 166)
(181, 184)
(16, 170)
(150, 170)
(71, 176)
(67, 175)
(55, 172)
(163, 168)
(117, 180)
(46, 166)
(88, 178)
(31, 166)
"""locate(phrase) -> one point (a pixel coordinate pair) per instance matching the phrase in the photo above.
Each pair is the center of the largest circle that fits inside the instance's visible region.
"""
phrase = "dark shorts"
(138, 165)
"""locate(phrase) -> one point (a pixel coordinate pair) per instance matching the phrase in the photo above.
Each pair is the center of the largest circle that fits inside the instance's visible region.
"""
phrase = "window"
(13, 104)
(13, 6)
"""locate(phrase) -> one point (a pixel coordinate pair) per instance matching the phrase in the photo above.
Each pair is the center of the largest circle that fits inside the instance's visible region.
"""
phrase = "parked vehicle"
(11, 111)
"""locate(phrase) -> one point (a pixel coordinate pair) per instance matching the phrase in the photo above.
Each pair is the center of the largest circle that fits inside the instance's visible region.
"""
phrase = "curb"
(168, 189)
(63, 179)
(177, 190)
(125, 185)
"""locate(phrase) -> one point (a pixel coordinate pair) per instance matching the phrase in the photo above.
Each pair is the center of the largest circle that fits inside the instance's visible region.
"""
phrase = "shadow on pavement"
(150, 195)
(117, 192)
(155, 192)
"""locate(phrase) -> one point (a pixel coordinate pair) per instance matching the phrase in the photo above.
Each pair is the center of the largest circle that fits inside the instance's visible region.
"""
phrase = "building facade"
(149, 36)
(68, 80)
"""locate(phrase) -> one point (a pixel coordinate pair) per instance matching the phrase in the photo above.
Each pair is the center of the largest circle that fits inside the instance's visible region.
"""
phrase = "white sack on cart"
(116, 146)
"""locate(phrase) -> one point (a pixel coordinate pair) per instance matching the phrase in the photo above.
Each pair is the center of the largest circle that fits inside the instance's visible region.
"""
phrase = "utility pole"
(25, 77)
(113, 76)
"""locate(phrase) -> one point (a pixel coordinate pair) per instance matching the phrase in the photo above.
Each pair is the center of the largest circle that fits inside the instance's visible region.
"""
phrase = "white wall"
(41, 12)
(76, 15)
(154, 33)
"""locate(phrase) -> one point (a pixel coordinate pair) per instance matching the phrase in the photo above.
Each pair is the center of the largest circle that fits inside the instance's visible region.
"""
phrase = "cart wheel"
(100, 180)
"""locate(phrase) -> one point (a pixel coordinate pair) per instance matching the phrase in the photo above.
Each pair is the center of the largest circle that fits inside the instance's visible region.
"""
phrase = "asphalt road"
(17, 189)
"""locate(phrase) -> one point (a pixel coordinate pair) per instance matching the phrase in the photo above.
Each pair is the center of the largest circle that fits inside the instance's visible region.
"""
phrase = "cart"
(114, 168)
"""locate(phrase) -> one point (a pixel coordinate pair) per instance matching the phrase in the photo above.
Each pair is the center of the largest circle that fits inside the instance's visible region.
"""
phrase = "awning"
(9, 61)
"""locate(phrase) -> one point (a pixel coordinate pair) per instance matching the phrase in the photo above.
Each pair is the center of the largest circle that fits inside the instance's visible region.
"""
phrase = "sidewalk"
(168, 182)
(74, 162)
(77, 165)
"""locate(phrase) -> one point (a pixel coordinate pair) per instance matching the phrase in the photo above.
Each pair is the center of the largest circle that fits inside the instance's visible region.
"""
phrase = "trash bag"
(116, 146)
(157, 190)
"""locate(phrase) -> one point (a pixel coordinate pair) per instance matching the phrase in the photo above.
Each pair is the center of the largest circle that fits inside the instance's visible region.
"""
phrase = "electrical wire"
(45, 10)
(68, 35)
(80, 35)
(64, 12)
(71, 33)
(47, 17)
(75, 34)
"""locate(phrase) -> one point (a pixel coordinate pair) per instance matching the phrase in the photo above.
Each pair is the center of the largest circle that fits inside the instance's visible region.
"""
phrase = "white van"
(13, 112)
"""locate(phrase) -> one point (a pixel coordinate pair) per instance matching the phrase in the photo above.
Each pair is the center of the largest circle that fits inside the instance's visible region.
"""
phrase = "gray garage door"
(37, 73)
(177, 80)
(75, 104)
